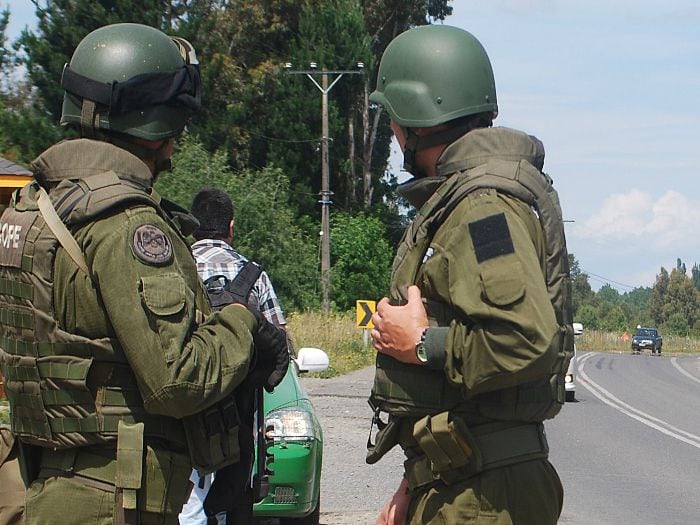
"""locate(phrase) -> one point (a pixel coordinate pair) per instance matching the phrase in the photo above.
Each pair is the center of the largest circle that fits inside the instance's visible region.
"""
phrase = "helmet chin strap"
(415, 143)
(87, 119)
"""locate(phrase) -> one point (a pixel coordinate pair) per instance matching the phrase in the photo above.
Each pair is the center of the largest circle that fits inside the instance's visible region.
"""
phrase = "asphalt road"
(627, 450)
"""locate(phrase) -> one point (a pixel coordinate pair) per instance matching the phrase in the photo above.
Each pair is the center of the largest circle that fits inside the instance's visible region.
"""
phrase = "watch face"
(421, 354)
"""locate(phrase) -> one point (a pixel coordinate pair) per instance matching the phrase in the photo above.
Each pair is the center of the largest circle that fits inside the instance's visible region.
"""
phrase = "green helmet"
(432, 74)
(131, 79)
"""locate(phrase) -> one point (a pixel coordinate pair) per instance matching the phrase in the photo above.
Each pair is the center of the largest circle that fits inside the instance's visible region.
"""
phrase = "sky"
(612, 88)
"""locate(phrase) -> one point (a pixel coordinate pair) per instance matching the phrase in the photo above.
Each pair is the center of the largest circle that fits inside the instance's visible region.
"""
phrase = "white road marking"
(647, 419)
(684, 372)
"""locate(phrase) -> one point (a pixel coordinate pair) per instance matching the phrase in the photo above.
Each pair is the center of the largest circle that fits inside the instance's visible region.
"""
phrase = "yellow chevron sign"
(365, 309)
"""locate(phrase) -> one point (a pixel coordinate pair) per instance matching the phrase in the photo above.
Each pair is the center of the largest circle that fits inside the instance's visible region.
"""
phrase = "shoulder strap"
(243, 283)
(59, 229)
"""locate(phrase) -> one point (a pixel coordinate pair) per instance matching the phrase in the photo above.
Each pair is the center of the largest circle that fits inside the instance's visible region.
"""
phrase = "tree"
(680, 266)
(636, 305)
(387, 18)
(608, 294)
(5, 52)
(612, 318)
(24, 132)
(588, 316)
(681, 299)
(581, 291)
(332, 35)
(360, 259)
(676, 324)
(696, 276)
(658, 296)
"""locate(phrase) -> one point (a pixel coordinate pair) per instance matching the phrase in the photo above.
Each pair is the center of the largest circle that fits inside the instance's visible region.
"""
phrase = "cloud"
(668, 220)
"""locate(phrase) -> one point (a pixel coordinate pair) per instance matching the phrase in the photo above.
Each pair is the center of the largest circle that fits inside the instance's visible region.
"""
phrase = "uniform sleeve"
(505, 327)
(149, 299)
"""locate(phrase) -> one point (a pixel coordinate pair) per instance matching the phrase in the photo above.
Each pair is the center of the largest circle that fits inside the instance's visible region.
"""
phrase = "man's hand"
(397, 329)
(395, 511)
(272, 352)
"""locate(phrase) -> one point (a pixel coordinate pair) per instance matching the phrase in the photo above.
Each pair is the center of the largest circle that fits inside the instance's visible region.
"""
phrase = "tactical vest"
(413, 391)
(65, 390)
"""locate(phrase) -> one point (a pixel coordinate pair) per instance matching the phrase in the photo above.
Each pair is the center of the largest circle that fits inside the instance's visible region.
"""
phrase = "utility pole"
(325, 193)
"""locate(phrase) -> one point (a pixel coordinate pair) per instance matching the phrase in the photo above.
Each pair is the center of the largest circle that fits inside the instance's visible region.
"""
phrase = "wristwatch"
(421, 353)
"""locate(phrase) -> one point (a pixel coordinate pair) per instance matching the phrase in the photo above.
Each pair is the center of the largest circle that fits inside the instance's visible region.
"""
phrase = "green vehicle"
(295, 486)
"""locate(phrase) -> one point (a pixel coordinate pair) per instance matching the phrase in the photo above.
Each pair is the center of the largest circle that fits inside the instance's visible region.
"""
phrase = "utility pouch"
(212, 436)
(166, 483)
(448, 445)
(129, 462)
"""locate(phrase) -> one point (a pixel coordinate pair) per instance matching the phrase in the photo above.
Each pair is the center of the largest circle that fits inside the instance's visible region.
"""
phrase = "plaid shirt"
(218, 258)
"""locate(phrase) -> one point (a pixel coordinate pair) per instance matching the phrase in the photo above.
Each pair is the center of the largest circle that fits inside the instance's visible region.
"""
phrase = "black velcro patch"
(152, 245)
(491, 237)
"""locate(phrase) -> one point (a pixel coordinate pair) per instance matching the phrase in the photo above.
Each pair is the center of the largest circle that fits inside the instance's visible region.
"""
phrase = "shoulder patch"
(152, 245)
(491, 237)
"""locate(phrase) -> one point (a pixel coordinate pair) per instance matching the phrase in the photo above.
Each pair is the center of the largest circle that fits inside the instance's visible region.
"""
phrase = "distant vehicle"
(570, 377)
(647, 338)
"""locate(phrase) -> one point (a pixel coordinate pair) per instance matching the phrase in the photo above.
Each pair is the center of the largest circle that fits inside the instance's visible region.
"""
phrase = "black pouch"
(212, 436)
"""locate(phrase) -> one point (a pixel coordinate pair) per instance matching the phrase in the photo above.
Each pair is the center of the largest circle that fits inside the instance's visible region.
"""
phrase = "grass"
(337, 335)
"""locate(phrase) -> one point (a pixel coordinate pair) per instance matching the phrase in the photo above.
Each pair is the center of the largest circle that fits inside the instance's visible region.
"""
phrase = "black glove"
(272, 352)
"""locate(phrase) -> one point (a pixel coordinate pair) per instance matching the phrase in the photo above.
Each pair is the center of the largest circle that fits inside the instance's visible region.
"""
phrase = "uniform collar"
(480, 145)
(81, 158)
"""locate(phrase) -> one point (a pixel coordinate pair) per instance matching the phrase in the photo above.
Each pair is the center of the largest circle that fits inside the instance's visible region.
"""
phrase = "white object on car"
(570, 378)
(311, 360)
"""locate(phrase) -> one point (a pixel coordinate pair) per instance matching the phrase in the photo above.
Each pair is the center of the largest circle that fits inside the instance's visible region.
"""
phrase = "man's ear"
(230, 229)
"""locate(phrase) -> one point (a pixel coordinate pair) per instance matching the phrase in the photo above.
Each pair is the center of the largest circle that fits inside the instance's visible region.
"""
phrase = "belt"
(103, 468)
(448, 452)
(96, 468)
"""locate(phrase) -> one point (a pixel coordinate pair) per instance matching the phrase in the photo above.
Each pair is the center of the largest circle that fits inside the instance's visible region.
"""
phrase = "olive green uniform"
(148, 361)
(11, 484)
(470, 421)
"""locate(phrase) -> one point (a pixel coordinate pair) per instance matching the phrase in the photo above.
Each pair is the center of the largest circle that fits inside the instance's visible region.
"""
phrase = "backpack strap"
(242, 284)
(55, 224)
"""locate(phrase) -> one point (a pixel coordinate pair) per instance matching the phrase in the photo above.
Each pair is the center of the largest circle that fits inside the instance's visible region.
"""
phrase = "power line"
(607, 281)
(274, 139)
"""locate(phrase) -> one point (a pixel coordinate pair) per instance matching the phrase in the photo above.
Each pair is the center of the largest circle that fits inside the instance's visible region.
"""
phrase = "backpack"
(223, 291)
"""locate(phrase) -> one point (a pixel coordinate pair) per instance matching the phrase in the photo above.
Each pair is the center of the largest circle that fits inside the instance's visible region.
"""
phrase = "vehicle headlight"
(289, 424)
(568, 378)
